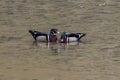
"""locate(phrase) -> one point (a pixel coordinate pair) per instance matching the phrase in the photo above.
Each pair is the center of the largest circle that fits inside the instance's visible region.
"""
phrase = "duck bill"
(58, 32)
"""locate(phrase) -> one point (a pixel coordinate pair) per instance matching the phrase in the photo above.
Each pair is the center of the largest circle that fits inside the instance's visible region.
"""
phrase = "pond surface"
(96, 57)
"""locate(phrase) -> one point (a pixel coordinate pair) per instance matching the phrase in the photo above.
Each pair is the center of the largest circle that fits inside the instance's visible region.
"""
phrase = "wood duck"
(45, 37)
(70, 37)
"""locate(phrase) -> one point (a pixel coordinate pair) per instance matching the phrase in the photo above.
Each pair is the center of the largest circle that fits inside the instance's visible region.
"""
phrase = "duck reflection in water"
(57, 48)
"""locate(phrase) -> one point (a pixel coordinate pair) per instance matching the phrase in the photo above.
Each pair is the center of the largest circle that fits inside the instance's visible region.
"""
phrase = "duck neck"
(63, 39)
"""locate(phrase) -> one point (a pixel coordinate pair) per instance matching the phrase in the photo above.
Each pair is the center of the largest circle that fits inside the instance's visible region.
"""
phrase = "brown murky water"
(97, 57)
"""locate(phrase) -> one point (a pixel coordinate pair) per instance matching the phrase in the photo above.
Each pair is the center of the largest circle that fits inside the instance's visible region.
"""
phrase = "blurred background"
(95, 58)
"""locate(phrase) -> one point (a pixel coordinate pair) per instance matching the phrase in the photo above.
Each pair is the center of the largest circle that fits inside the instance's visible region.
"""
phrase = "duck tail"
(32, 33)
(81, 35)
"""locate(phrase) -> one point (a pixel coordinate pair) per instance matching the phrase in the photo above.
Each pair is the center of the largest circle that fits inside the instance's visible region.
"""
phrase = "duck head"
(53, 35)
(54, 31)
(63, 38)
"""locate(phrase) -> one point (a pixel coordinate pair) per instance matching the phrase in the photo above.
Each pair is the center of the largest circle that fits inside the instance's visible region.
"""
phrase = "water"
(96, 57)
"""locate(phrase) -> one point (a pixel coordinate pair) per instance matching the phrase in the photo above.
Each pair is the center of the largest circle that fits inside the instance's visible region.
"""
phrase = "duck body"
(70, 37)
(44, 37)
